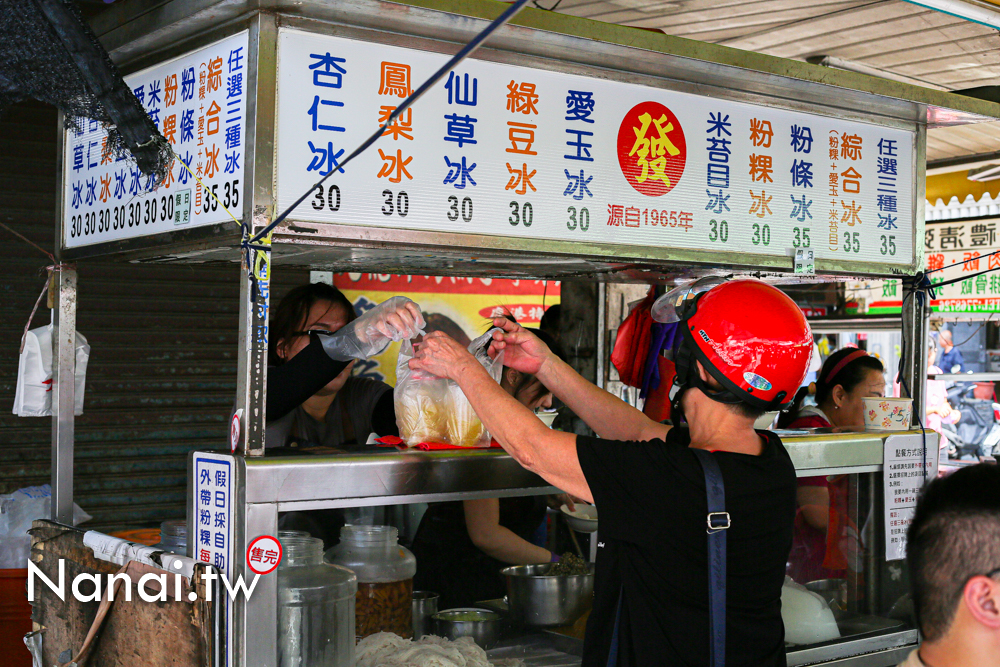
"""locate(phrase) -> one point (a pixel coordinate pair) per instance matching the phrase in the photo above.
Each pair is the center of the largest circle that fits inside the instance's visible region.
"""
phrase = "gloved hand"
(397, 318)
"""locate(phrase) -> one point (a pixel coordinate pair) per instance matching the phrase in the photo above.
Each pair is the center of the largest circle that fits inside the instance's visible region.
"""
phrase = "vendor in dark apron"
(462, 546)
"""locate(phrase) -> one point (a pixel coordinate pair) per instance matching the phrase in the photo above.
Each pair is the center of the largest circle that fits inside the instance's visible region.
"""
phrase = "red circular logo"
(651, 149)
(264, 554)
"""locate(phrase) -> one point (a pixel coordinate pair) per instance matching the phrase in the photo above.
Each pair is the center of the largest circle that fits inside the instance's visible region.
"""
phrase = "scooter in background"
(978, 431)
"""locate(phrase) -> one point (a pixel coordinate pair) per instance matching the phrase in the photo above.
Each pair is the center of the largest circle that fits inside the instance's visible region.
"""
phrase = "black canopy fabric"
(49, 53)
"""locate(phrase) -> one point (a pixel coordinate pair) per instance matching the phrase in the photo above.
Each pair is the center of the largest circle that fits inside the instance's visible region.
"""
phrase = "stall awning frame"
(138, 35)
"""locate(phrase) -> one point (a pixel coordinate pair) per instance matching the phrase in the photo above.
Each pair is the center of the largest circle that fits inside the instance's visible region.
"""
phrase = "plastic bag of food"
(420, 410)
(17, 511)
(433, 409)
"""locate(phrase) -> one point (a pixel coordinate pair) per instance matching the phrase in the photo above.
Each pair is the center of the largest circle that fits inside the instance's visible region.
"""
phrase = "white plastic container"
(993, 359)
(888, 413)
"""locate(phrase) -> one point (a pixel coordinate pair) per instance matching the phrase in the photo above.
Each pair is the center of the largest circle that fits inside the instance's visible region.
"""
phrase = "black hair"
(849, 376)
(293, 310)
(746, 410)
(955, 535)
(550, 320)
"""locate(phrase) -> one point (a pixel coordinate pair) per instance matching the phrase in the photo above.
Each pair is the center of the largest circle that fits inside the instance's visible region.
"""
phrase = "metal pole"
(63, 393)
(915, 325)
(602, 331)
(255, 304)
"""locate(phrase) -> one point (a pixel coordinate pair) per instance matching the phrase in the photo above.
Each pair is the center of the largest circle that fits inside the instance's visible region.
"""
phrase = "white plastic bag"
(433, 409)
(371, 333)
(17, 511)
(33, 393)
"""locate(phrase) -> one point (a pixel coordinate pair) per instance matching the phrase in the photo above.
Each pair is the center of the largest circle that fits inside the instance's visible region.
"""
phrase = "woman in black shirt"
(312, 399)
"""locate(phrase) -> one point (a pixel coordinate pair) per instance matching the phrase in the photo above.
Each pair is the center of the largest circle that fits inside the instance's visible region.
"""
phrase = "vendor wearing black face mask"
(312, 399)
(652, 600)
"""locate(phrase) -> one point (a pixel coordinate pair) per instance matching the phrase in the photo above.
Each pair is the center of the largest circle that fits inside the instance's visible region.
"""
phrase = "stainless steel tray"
(540, 650)
(859, 635)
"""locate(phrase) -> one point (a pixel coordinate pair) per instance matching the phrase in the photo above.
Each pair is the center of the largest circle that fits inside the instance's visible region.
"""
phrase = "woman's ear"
(839, 396)
(281, 350)
(512, 377)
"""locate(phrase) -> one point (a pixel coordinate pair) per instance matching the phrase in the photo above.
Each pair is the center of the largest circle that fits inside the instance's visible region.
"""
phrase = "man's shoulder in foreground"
(913, 660)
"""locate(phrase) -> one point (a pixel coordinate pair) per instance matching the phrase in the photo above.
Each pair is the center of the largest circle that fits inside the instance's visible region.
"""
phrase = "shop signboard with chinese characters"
(199, 105)
(506, 150)
(966, 247)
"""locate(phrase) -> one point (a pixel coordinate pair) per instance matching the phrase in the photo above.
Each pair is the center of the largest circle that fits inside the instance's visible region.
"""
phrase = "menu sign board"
(497, 149)
(198, 103)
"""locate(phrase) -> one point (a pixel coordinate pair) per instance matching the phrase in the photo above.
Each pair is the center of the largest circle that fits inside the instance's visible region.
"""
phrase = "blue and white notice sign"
(213, 538)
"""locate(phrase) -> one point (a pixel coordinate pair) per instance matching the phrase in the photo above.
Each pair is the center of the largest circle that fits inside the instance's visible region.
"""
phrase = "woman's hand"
(395, 319)
(441, 355)
(398, 318)
(523, 351)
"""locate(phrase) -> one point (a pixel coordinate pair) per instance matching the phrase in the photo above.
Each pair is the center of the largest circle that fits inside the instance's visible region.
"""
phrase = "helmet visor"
(677, 304)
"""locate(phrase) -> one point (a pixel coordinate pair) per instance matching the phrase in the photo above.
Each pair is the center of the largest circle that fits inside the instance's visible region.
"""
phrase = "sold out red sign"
(264, 554)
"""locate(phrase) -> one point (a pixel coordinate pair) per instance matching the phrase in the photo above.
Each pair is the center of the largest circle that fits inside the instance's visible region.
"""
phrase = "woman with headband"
(848, 376)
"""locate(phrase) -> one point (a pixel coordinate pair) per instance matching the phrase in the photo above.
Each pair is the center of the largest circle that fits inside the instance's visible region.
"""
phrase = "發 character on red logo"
(652, 151)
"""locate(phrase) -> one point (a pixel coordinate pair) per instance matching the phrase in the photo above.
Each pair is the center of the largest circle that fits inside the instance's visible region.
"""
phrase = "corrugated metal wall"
(162, 371)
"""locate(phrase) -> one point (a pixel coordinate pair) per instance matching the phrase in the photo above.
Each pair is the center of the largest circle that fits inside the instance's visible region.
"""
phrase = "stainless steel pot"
(425, 605)
(540, 600)
(483, 625)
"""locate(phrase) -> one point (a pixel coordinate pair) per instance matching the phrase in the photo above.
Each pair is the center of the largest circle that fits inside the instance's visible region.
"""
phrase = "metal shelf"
(966, 377)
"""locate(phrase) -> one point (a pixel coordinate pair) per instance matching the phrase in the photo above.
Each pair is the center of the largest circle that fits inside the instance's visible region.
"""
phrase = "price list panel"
(198, 103)
(505, 150)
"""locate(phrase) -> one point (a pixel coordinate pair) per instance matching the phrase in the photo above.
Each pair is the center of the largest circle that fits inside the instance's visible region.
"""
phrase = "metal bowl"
(483, 625)
(541, 600)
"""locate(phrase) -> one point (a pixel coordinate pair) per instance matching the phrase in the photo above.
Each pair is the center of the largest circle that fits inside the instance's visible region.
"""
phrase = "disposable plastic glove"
(397, 318)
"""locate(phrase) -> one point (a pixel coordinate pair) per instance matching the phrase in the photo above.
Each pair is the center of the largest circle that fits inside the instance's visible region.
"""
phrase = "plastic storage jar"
(385, 578)
(173, 536)
(315, 607)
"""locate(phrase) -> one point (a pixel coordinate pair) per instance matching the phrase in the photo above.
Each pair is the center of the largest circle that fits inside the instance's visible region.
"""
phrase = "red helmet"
(750, 337)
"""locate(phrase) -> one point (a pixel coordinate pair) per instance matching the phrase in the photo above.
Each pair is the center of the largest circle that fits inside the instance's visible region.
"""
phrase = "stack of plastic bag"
(17, 511)
(434, 410)
(33, 392)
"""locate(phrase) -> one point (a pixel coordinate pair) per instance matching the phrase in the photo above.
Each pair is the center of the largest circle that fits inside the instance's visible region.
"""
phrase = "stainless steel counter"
(551, 649)
(382, 477)
(265, 486)
(386, 476)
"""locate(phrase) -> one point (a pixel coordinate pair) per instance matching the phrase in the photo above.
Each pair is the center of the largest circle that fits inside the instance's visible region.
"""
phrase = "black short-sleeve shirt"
(653, 551)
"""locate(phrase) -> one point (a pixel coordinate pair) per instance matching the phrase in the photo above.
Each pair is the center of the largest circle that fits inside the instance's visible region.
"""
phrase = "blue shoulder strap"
(615, 639)
(717, 524)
